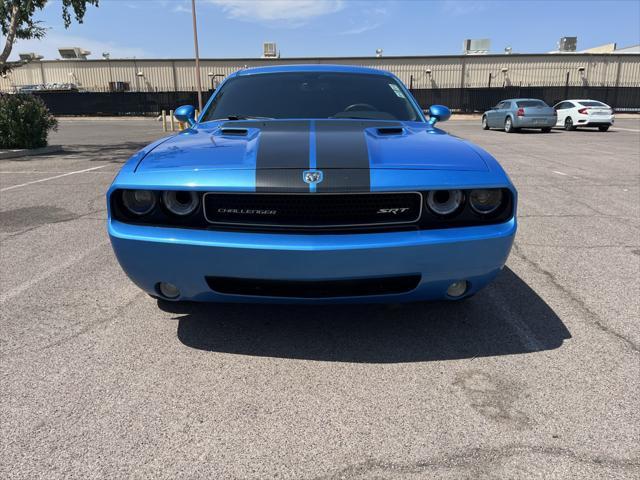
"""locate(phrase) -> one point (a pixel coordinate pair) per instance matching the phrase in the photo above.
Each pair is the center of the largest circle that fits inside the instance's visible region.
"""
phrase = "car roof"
(520, 99)
(583, 100)
(312, 68)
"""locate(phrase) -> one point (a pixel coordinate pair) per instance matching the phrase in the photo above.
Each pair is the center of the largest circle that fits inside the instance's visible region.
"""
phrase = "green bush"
(25, 121)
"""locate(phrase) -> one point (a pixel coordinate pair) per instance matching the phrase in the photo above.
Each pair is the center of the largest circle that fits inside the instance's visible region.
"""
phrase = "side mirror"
(186, 114)
(438, 113)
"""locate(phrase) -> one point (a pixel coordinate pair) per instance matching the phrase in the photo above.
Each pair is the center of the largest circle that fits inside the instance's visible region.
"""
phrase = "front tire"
(485, 123)
(508, 125)
(546, 129)
(603, 128)
(568, 124)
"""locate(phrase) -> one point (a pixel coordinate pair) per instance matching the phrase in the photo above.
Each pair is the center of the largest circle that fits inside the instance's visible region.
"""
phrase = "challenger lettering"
(247, 211)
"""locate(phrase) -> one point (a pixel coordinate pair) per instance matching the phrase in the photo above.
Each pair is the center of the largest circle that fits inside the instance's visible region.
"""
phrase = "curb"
(30, 152)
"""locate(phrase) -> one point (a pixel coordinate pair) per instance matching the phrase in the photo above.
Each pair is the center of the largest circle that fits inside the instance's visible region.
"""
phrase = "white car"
(584, 113)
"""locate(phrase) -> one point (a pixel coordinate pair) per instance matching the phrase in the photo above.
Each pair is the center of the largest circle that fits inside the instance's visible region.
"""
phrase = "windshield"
(312, 95)
(592, 103)
(531, 103)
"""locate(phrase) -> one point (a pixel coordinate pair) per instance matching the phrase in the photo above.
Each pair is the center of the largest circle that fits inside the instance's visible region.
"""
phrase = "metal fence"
(466, 100)
(116, 103)
(470, 100)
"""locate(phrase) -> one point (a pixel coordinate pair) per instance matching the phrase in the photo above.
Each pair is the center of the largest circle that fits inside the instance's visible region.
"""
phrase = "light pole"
(107, 57)
(195, 44)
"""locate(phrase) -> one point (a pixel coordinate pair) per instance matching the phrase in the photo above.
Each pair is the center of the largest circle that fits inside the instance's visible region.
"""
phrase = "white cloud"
(292, 12)
(463, 7)
(361, 29)
(365, 20)
(49, 45)
(180, 8)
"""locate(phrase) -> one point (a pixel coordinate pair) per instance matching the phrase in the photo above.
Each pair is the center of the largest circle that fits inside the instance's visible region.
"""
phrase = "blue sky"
(237, 28)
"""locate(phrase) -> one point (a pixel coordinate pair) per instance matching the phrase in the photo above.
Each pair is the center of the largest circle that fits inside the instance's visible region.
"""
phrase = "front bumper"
(186, 257)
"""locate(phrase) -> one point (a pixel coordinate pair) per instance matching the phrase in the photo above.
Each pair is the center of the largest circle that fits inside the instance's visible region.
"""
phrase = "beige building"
(572, 69)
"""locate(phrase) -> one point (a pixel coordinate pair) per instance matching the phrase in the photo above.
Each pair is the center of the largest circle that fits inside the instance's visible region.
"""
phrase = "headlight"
(444, 202)
(180, 203)
(139, 202)
(485, 201)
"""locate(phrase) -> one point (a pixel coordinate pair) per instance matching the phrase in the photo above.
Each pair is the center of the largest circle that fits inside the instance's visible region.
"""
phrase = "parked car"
(312, 183)
(517, 113)
(584, 113)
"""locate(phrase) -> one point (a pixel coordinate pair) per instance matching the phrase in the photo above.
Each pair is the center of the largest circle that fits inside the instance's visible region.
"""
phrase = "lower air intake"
(313, 289)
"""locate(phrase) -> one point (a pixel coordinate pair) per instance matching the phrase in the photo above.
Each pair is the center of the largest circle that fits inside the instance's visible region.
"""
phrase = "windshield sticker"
(397, 90)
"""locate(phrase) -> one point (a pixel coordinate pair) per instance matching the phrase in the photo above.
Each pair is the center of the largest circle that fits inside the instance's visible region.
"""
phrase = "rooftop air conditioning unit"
(73, 53)
(30, 57)
(478, 46)
(568, 44)
(269, 50)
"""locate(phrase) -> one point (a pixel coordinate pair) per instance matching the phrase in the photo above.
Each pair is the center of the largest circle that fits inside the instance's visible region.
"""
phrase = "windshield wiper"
(352, 117)
(245, 117)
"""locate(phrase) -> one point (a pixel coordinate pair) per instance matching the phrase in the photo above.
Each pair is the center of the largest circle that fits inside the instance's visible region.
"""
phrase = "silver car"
(517, 113)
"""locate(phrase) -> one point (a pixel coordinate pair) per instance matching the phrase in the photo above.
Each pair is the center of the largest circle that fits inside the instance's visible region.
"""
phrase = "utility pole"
(195, 44)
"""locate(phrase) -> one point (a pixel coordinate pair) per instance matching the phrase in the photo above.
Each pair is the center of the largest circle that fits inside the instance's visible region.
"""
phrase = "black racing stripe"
(281, 180)
(283, 154)
(342, 154)
(345, 180)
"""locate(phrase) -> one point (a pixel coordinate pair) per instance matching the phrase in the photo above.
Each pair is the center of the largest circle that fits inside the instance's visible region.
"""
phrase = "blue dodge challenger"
(312, 184)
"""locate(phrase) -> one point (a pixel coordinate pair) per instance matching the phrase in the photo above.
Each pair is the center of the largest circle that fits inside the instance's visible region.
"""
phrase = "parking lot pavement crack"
(589, 314)
(573, 247)
(573, 197)
(86, 216)
(86, 328)
(91, 325)
(558, 215)
(551, 162)
(580, 184)
(14, 292)
(477, 462)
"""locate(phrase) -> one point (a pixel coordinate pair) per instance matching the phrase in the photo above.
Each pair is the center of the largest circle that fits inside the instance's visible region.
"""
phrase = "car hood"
(313, 144)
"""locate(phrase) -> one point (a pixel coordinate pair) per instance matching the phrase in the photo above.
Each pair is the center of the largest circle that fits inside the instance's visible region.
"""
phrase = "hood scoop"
(389, 131)
(234, 132)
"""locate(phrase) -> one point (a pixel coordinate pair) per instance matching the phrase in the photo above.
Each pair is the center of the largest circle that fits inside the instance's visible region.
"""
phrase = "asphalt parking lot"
(537, 376)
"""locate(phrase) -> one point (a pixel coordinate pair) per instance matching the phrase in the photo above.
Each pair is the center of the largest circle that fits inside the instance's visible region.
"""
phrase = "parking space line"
(560, 173)
(52, 178)
(626, 129)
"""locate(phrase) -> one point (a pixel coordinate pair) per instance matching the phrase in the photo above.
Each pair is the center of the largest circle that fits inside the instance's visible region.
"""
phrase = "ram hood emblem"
(312, 176)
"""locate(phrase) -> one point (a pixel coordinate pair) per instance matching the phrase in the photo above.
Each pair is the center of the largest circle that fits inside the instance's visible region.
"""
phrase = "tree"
(25, 121)
(16, 21)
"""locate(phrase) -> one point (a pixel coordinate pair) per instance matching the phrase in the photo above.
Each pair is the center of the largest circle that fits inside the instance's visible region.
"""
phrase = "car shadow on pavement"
(526, 131)
(594, 131)
(506, 318)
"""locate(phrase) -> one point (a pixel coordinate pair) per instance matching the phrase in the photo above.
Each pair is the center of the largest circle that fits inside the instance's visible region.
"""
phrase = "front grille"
(313, 213)
(314, 289)
(317, 210)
